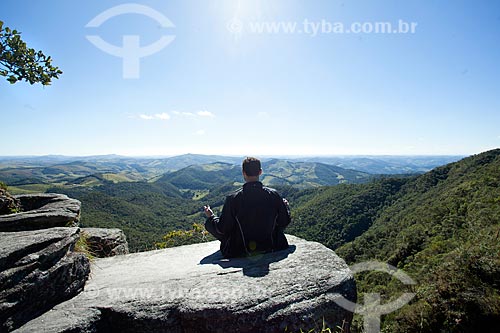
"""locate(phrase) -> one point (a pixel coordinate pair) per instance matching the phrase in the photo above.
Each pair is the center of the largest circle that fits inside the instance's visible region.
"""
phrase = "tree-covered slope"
(202, 177)
(444, 231)
(309, 174)
(338, 214)
(442, 228)
(144, 211)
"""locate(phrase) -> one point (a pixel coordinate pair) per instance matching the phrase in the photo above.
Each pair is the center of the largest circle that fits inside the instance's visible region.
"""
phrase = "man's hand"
(208, 211)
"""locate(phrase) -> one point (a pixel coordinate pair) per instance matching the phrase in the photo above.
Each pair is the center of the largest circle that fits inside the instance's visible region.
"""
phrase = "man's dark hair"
(251, 166)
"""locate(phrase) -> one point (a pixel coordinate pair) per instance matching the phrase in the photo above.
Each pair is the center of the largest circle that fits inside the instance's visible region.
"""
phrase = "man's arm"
(284, 218)
(220, 227)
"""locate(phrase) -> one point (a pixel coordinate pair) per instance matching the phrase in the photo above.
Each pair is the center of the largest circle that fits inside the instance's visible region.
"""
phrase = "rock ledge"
(41, 211)
(193, 289)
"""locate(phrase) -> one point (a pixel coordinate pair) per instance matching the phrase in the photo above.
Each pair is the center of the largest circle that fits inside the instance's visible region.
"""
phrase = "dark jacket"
(252, 221)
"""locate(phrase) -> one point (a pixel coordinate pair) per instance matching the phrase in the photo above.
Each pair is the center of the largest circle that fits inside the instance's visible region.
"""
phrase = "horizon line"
(237, 155)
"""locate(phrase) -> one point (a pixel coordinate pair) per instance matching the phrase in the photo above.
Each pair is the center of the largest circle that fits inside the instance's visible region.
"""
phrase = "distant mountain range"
(388, 165)
(63, 169)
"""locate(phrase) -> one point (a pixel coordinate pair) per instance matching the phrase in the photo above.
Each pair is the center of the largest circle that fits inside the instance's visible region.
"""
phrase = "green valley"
(131, 194)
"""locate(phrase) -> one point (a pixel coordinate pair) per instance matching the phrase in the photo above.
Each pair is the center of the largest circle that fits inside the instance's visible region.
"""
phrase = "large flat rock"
(37, 271)
(41, 211)
(193, 289)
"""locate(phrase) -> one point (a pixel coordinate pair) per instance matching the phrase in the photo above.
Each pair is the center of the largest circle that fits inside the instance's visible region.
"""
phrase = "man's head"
(251, 169)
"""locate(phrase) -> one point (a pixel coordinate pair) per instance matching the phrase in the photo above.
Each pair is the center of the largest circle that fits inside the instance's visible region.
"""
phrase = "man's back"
(253, 218)
(252, 221)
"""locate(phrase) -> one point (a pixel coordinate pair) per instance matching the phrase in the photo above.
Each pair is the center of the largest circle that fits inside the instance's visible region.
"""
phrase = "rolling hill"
(19, 171)
(25, 171)
(276, 173)
(202, 177)
(67, 172)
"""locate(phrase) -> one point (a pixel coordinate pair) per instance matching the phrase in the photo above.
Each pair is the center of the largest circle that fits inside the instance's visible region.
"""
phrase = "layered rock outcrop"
(38, 269)
(41, 211)
(193, 289)
(43, 261)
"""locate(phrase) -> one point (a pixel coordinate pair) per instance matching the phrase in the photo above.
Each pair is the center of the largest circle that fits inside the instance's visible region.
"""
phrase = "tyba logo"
(130, 51)
(372, 309)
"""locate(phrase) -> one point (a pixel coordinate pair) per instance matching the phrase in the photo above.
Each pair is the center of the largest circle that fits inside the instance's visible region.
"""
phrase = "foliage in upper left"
(18, 62)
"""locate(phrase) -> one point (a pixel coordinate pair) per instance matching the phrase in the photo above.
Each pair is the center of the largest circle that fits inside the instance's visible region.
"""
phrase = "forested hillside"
(442, 228)
(338, 214)
(144, 211)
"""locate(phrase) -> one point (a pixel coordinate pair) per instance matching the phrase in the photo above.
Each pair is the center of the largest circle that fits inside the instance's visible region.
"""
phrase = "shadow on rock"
(253, 266)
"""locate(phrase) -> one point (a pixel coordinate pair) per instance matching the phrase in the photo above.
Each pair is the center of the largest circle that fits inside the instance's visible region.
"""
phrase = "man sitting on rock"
(253, 218)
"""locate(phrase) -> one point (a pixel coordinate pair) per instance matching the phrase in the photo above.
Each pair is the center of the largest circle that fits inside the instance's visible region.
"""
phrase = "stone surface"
(105, 242)
(192, 289)
(37, 271)
(41, 211)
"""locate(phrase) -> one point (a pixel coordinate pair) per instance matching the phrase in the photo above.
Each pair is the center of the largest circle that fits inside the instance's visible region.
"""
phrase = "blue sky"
(214, 91)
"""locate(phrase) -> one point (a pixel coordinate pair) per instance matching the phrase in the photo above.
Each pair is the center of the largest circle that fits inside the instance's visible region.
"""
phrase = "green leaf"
(12, 79)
